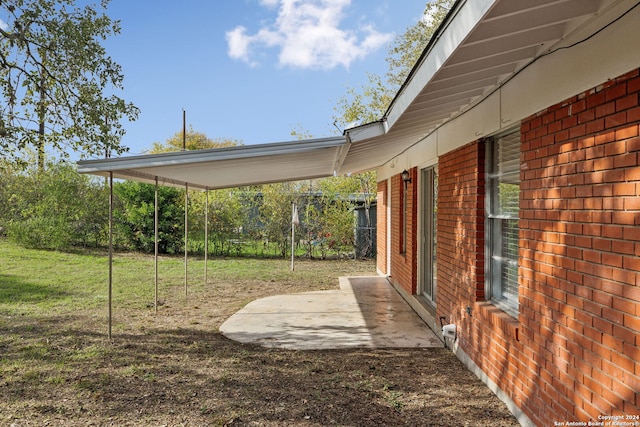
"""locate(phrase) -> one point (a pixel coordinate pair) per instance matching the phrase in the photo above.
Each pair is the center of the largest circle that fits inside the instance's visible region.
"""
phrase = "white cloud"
(4, 25)
(270, 3)
(308, 35)
(238, 43)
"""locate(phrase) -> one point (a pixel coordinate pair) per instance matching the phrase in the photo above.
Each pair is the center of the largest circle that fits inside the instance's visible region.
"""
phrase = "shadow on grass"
(14, 289)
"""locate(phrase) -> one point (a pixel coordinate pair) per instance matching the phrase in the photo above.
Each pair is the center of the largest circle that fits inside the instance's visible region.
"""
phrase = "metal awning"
(229, 167)
(481, 45)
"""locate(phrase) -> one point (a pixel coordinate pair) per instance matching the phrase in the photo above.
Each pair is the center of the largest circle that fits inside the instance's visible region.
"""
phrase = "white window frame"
(501, 248)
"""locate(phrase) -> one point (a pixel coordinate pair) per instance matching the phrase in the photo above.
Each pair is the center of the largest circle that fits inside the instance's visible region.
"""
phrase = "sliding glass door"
(428, 282)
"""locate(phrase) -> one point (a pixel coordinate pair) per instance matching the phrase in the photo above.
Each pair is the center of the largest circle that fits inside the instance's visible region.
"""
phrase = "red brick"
(610, 287)
(624, 217)
(623, 247)
(620, 188)
(632, 322)
(625, 305)
(605, 137)
(633, 85)
(598, 98)
(586, 115)
(595, 126)
(613, 315)
(627, 102)
(577, 131)
(614, 148)
(633, 115)
(603, 325)
(624, 334)
(610, 176)
(593, 359)
(633, 144)
(622, 362)
(627, 132)
(613, 204)
(632, 174)
(604, 110)
(630, 233)
(616, 91)
(615, 120)
(612, 260)
(625, 276)
(611, 342)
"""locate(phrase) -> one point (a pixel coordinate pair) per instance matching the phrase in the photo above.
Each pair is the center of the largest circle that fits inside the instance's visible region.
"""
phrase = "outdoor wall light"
(406, 176)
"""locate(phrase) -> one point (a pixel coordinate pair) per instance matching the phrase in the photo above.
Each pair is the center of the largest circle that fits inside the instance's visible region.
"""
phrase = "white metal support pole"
(206, 233)
(293, 235)
(186, 233)
(110, 250)
(186, 201)
(155, 245)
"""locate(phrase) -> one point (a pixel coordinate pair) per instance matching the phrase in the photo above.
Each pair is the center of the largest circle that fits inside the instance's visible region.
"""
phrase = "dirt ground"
(176, 369)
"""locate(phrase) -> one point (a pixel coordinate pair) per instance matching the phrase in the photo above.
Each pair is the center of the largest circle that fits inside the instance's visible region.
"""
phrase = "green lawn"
(47, 283)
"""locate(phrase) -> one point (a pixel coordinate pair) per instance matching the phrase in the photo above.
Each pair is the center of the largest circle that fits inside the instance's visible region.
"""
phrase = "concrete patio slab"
(366, 312)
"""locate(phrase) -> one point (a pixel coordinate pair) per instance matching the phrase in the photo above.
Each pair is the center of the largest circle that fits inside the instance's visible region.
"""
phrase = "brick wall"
(404, 264)
(488, 335)
(461, 262)
(381, 228)
(573, 353)
(460, 219)
(580, 254)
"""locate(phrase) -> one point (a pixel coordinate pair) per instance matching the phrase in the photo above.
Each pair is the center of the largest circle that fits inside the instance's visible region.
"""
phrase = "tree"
(370, 102)
(408, 47)
(57, 81)
(194, 141)
(227, 216)
(275, 212)
(135, 216)
(340, 197)
(329, 217)
(56, 209)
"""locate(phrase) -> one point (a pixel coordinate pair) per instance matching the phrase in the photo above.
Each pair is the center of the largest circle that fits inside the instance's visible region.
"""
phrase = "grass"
(57, 366)
(38, 282)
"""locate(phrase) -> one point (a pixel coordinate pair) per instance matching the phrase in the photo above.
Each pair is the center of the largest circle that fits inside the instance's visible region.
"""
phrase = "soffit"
(481, 45)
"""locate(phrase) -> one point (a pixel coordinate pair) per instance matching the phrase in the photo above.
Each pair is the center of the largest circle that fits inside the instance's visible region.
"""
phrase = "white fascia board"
(366, 131)
(200, 156)
(466, 18)
(133, 175)
(340, 157)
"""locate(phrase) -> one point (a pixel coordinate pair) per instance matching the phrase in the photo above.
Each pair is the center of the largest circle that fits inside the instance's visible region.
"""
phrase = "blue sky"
(251, 70)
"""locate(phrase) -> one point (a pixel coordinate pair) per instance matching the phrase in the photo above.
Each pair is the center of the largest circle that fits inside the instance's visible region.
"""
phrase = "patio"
(366, 312)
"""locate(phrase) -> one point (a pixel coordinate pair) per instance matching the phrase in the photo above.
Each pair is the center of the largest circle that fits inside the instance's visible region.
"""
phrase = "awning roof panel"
(228, 167)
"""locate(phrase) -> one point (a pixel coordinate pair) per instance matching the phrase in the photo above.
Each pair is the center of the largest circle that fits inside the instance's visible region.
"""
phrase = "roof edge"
(196, 156)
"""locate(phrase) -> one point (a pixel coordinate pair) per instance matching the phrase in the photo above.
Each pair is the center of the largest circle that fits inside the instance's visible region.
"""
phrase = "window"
(503, 193)
(404, 214)
(428, 281)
